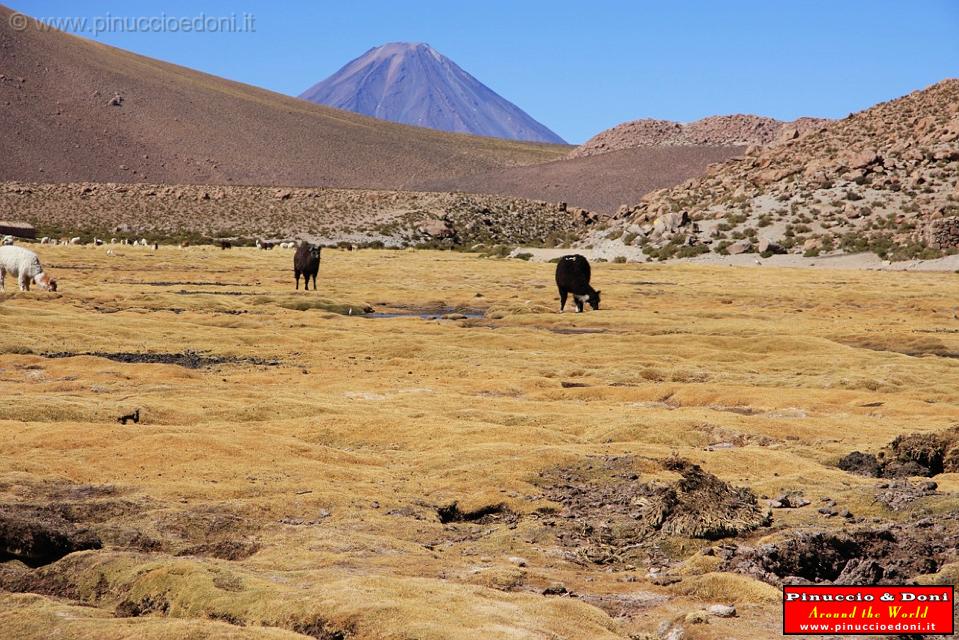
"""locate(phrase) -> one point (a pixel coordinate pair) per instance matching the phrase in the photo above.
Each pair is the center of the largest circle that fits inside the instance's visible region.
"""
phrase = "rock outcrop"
(882, 180)
(730, 130)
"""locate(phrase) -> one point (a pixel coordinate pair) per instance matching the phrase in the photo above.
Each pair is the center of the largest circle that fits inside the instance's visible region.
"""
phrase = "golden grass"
(335, 460)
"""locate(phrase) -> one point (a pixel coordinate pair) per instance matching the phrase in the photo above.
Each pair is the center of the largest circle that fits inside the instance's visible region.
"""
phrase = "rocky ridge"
(728, 130)
(882, 180)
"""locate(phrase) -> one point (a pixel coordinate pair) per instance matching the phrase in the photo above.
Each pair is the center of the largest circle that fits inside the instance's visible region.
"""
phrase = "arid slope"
(601, 183)
(176, 125)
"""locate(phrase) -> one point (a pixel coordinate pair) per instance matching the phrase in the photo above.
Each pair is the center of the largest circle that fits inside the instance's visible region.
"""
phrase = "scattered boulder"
(437, 228)
(671, 630)
(740, 246)
(862, 159)
(696, 617)
(900, 493)
(860, 571)
(675, 220)
(788, 133)
(791, 500)
(768, 246)
(721, 610)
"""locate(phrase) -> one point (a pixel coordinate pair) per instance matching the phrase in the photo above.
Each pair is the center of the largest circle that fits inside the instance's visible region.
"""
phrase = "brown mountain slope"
(176, 125)
(600, 183)
(712, 131)
(884, 180)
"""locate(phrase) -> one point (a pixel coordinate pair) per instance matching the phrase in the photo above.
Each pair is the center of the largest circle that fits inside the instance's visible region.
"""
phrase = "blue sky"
(580, 67)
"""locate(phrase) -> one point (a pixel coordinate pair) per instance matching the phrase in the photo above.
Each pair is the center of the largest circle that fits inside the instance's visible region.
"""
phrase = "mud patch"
(430, 313)
(37, 538)
(864, 464)
(484, 515)
(320, 629)
(102, 510)
(577, 331)
(186, 359)
(57, 579)
(915, 346)
(211, 531)
(223, 616)
(203, 522)
(888, 554)
(611, 516)
(187, 292)
(917, 454)
(719, 437)
(223, 550)
(77, 503)
(143, 606)
(743, 411)
(624, 605)
(60, 490)
(78, 267)
(184, 283)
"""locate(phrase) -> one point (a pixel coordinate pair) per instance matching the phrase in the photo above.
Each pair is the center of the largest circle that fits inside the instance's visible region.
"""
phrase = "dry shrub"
(727, 587)
(701, 505)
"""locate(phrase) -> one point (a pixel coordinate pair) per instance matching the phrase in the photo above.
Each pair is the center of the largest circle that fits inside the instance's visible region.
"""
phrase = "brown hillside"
(176, 125)
(884, 180)
(735, 130)
(601, 183)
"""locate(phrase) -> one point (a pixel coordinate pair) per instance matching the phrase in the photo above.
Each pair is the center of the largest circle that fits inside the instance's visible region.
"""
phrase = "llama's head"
(45, 282)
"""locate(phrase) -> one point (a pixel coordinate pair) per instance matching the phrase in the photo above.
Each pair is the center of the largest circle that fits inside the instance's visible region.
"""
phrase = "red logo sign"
(841, 610)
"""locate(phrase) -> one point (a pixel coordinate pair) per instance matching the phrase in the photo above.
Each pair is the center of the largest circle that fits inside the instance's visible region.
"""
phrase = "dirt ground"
(304, 468)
